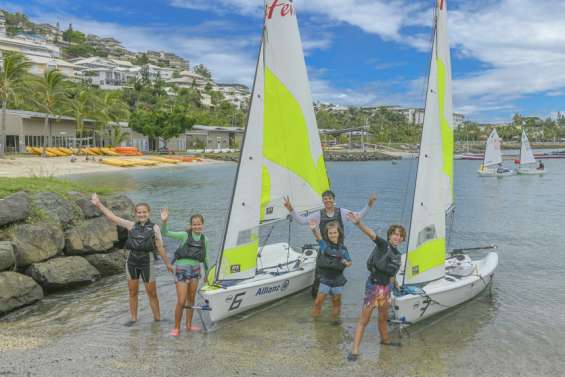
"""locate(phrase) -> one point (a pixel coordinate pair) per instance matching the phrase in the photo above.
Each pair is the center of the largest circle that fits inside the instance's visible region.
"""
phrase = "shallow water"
(517, 330)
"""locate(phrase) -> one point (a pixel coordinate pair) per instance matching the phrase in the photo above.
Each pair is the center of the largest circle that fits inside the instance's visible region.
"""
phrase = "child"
(332, 260)
(380, 281)
(143, 238)
(192, 251)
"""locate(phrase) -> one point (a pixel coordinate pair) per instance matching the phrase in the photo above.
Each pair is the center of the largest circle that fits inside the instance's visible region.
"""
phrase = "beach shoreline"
(33, 166)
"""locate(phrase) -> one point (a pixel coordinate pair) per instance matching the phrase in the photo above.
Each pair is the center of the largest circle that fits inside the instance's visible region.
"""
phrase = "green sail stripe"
(446, 131)
(265, 190)
(242, 257)
(428, 255)
(286, 136)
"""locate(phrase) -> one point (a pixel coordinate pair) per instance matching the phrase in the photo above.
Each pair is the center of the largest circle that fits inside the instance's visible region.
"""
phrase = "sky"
(508, 56)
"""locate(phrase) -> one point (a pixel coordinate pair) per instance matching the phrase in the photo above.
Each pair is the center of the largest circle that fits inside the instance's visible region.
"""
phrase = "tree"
(117, 136)
(203, 71)
(50, 97)
(111, 107)
(13, 73)
(80, 106)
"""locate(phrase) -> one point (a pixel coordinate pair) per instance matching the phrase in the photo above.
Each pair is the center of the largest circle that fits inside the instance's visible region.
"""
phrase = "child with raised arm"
(383, 264)
(332, 260)
(144, 238)
(192, 252)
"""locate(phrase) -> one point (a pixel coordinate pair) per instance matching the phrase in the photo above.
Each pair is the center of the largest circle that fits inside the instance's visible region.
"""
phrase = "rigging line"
(431, 56)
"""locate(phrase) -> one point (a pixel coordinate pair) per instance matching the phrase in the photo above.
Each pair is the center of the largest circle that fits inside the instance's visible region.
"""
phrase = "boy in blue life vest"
(333, 258)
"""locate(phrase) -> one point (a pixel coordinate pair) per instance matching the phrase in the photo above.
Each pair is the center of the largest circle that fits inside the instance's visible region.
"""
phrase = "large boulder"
(91, 236)
(56, 208)
(14, 208)
(7, 256)
(88, 209)
(120, 204)
(110, 263)
(36, 242)
(63, 272)
(17, 290)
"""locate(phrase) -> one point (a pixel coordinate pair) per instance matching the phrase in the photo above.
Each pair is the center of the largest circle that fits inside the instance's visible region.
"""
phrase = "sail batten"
(526, 154)
(433, 195)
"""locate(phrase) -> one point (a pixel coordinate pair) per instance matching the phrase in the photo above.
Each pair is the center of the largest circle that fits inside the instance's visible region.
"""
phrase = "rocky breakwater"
(50, 242)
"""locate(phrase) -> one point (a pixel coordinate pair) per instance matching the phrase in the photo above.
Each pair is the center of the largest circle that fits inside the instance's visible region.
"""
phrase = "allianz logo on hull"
(274, 288)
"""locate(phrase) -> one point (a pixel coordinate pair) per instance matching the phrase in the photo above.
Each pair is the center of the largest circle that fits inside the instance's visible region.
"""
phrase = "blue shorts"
(186, 273)
(327, 290)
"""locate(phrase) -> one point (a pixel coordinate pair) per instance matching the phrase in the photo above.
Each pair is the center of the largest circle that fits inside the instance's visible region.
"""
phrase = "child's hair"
(393, 228)
(333, 224)
(328, 193)
(197, 216)
(142, 205)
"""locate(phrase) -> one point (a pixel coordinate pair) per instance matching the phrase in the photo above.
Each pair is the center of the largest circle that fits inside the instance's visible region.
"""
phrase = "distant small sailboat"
(433, 280)
(527, 159)
(492, 163)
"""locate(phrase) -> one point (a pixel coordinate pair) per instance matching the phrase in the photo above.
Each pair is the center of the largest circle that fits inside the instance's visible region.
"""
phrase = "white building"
(236, 94)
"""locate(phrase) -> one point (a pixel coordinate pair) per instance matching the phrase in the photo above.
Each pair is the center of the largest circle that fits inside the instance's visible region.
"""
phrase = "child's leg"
(383, 322)
(182, 288)
(336, 306)
(151, 290)
(320, 298)
(192, 288)
(361, 325)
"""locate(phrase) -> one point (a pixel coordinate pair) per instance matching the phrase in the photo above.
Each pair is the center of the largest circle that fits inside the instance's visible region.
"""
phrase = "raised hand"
(354, 217)
(95, 200)
(312, 224)
(164, 214)
(287, 203)
(372, 200)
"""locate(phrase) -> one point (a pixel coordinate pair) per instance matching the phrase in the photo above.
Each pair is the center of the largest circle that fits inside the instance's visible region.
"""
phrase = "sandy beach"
(61, 166)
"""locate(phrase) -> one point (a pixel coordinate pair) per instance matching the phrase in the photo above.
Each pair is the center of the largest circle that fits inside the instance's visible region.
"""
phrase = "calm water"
(518, 330)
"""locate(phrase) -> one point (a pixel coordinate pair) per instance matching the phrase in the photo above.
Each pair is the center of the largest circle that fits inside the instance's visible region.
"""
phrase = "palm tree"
(50, 95)
(80, 106)
(13, 73)
(110, 108)
(118, 136)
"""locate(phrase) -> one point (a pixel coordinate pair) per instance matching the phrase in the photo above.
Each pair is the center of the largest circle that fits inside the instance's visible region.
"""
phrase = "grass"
(47, 184)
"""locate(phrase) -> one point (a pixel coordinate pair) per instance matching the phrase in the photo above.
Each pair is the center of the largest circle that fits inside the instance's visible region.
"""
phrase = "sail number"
(237, 300)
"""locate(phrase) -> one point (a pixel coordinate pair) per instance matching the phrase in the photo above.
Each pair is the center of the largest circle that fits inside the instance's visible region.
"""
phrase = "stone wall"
(50, 242)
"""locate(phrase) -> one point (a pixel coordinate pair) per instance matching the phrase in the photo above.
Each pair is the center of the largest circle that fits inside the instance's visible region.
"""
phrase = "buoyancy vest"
(191, 249)
(383, 261)
(330, 262)
(141, 238)
(325, 220)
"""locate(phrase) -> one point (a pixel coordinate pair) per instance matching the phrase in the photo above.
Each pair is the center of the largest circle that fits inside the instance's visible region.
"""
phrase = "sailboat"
(492, 163)
(527, 159)
(431, 281)
(281, 156)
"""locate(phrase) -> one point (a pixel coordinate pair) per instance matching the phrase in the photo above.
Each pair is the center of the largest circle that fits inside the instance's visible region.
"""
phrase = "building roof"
(34, 114)
(218, 128)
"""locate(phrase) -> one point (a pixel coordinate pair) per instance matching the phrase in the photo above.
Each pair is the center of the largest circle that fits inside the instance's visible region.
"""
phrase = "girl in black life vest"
(380, 281)
(144, 238)
(332, 260)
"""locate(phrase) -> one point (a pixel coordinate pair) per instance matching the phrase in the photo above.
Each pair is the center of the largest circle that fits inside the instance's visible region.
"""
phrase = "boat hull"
(494, 173)
(526, 171)
(450, 291)
(275, 281)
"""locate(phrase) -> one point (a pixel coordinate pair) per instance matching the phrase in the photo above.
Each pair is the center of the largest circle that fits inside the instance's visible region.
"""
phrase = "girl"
(143, 238)
(333, 258)
(380, 281)
(192, 251)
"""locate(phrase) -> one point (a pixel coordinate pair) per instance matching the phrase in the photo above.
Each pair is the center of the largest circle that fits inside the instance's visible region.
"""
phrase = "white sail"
(434, 183)
(493, 155)
(526, 154)
(281, 153)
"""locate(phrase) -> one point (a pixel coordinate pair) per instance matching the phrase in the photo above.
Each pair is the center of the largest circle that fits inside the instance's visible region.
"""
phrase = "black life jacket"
(191, 249)
(325, 220)
(330, 261)
(141, 238)
(385, 261)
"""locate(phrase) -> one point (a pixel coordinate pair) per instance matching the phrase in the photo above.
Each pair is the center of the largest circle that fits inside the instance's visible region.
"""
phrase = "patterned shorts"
(186, 273)
(376, 295)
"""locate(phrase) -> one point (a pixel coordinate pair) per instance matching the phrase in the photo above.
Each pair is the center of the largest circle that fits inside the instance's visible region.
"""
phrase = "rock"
(7, 256)
(121, 205)
(14, 208)
(91, 236)
(17, 290)
(63, 272)
(108, 264)
(89, 211)
(36, 242)
(56, 208)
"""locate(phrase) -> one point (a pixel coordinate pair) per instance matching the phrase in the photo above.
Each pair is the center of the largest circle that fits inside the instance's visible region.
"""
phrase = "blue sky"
(508, 56)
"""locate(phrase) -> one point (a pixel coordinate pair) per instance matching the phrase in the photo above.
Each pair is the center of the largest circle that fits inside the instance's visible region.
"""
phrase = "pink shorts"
(376, 295)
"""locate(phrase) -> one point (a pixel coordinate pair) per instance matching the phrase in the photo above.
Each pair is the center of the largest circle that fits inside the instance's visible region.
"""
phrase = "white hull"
(447, 292)
(275, 280)
(526, 171)
(494, 173)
